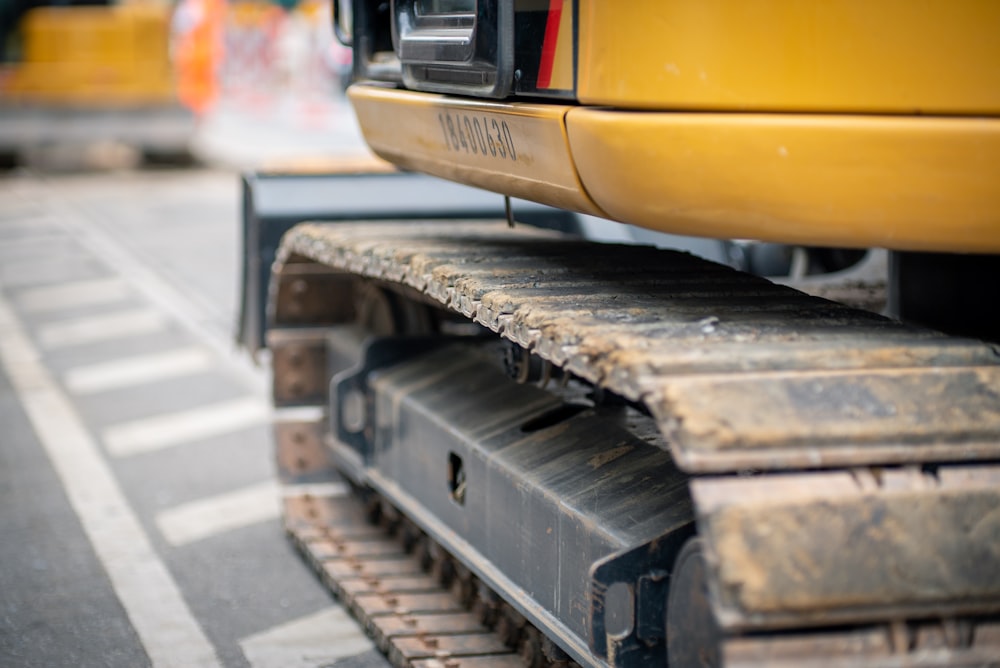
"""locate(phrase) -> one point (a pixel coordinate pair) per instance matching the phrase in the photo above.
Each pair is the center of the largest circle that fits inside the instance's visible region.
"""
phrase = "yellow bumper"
(905, 183)
(517, 149)
(901, 183)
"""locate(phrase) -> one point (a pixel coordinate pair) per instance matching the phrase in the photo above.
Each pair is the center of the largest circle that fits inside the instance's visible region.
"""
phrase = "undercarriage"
(561, 452)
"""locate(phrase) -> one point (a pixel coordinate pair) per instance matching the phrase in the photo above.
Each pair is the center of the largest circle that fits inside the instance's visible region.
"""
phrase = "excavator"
(508, 442)
(80, 72)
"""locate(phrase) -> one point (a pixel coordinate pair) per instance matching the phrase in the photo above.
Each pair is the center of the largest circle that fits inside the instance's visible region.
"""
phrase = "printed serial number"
(478, 135)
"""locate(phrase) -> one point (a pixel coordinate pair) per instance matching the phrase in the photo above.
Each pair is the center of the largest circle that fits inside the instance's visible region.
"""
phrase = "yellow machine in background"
(81, 74)
(95, 56)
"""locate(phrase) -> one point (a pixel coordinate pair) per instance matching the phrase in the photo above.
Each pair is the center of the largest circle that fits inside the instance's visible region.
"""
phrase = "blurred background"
(124, 128)
(235, 83)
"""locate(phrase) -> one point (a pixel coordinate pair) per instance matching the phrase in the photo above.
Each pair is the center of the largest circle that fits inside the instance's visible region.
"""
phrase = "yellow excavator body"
(849, 124)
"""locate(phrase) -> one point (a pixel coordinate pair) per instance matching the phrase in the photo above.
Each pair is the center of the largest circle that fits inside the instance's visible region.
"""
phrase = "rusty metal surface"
(410, 624)
(441, 646)
(301, 455)
(495, 661)
(310, 295)
(411, 615)
(825, 548)
(805, 419)
(763, 391)
(299, 366)
(925, 644)
(371, 568)
(649, 324)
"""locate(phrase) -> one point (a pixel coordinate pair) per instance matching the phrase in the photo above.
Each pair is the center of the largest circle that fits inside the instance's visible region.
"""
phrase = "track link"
(683, 335)
(806, 424)
(422, 609)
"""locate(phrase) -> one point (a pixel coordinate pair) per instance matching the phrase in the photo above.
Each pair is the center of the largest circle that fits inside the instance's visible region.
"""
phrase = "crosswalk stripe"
(315, 489)
(189, 310)
(312, 641)
(41, 245)
(163, 431)
(28, 216)
(70, 295)
(151, 599)
(204, 518)
(131, 371)
(95, 329)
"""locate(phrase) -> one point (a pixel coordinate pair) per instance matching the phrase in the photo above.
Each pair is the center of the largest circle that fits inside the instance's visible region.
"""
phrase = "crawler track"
(807, 425)
(421, 608)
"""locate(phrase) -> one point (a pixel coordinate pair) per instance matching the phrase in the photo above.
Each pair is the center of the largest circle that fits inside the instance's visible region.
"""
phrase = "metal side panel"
(530, 500)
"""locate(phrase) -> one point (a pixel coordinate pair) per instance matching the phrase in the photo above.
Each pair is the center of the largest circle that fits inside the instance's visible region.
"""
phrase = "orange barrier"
(197, 31)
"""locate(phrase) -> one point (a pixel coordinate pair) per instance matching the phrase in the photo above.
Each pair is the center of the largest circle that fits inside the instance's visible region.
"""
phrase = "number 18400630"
(478, 135)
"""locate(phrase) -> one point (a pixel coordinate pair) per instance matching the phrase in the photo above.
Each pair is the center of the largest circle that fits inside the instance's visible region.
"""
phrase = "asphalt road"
(138, 510)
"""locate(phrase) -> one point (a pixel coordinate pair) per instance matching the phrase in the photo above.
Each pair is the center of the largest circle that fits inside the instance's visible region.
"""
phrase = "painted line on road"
(312, 641)
(299, 414)
(47, 270)
(315, 489)
(204, 518)
(190, 310)
(100, 328)
(138, 370)
(150, 597)
(36, 244)
(23, 215)
(71, 295)
(170, 429)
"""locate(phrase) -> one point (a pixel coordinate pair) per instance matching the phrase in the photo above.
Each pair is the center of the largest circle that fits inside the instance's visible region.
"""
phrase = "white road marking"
(164, 431)
(38, 244)
(150, 597)
(69, 295)
(131, 371)
(24, 216)
(309, 642)
(191, 311)
(47, 269)
(200, 519)
(300, 414)
(315, 489)
(98, 328)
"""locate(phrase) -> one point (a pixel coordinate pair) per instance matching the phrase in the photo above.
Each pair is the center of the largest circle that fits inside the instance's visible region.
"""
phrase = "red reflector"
(549, 43)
